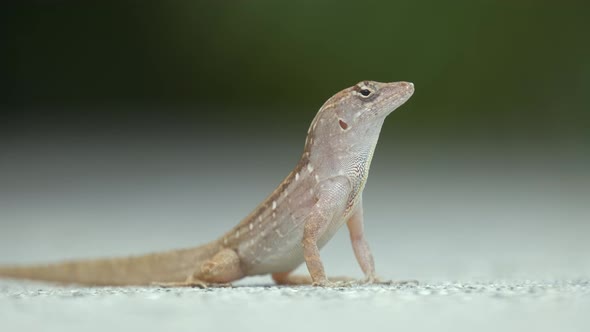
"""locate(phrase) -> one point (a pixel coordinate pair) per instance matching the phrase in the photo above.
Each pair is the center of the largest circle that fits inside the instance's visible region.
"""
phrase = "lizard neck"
(343, 154)
(349, 156)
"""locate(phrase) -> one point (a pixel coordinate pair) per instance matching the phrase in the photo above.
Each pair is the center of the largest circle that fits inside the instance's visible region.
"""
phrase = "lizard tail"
(170, 266)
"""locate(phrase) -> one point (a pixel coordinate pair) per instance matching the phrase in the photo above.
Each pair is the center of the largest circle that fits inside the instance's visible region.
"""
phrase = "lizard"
(288, 228)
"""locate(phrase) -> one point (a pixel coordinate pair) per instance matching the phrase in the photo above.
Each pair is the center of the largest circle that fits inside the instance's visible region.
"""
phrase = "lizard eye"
(365, 92)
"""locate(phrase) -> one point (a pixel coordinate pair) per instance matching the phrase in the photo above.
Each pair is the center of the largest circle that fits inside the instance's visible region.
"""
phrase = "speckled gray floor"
(494, 306)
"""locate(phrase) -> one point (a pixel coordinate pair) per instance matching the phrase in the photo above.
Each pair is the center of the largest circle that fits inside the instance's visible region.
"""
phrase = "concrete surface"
(452, 306)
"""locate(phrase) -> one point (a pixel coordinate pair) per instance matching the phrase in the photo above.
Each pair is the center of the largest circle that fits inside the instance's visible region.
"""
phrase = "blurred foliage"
(496, 66)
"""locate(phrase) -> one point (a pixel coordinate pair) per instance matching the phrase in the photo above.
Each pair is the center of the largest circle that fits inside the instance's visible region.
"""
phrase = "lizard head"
(357, 113)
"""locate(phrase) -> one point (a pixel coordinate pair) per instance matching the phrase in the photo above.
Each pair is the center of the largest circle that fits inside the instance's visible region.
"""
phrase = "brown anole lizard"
(289, 227)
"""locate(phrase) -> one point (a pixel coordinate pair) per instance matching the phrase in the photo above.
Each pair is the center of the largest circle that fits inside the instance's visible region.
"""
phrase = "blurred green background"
(492, 70)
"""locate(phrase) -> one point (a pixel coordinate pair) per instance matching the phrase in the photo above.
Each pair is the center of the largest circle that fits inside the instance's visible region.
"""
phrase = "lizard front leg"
(331, 199)
(360, 245)
(313, 226)
(362, 251)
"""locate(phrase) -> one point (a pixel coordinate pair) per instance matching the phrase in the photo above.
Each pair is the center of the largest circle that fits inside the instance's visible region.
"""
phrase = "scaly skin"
(323, 192)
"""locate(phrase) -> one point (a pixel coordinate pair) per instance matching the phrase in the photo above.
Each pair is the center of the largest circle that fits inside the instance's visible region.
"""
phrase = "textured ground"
(495, 306)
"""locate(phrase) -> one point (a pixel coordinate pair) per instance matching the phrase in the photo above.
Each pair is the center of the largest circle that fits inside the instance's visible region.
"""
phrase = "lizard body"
(323, 192)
